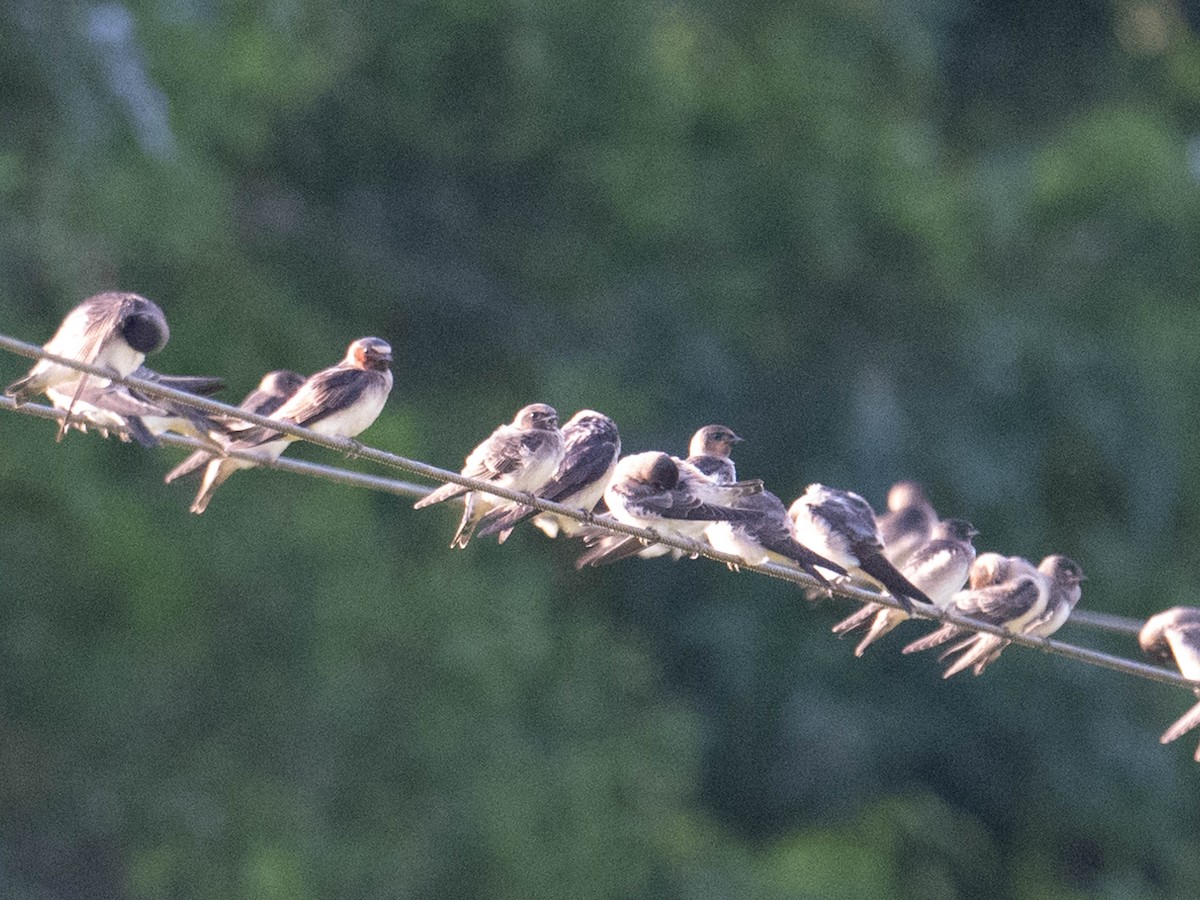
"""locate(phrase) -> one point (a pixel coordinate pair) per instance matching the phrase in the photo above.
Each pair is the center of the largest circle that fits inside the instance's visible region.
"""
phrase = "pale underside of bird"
(520, 456)
(591, 448)
(340, 401)
(656, 491)
(105, 407)
(112, 330)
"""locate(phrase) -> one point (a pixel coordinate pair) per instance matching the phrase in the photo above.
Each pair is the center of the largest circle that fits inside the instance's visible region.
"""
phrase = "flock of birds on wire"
(922, 561)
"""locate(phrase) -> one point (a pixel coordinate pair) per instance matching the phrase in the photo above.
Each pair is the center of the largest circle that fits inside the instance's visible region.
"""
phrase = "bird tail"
(934, 639)
(188, 466)
(877, 566)
(25, 389)
(503, 519)
(886, 620)
(977, 650)
(857, 620)
(445, 492)
(1182, 726)
(139, 432)
(609, 549)
(214, 476)
(473, 512)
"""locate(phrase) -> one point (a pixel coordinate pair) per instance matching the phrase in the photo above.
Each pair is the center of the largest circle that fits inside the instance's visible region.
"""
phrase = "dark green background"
(955, 241)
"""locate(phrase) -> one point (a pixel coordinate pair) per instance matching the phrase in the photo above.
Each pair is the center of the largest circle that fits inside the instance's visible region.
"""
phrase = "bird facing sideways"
(272, 392)
(340, 401)
(840, 525)
(657, 491)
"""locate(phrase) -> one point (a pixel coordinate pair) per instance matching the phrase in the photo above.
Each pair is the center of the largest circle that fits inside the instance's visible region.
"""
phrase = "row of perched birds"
(920, 559)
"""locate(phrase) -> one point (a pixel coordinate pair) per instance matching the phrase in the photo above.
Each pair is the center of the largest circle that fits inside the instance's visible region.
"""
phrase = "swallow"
(939, 567)
(272, 392)
(591, 447)
(113, 330)
(1174, 635)
(657, 491)
(908, 523)
(341, 401)
(131, 412)
(709, 451)
(1064, 577)
(1008, 592)
(769, 536)
(840, 525)
(521, 456)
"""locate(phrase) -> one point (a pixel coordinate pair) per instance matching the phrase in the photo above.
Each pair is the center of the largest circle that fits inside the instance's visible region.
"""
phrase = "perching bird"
(272, 392)
(840, 525)
(521, 456)
(1174, 635)
(112, 330)
(655, 490)
(769, 536)
(105, 406)
(1064, 578)
(591, 446)
(908, 523)
(709, 452)
(341, 401)
(939, 568)
(1004, 591)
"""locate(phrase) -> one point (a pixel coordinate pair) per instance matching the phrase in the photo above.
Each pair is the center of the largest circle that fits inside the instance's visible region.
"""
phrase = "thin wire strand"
(356, 449)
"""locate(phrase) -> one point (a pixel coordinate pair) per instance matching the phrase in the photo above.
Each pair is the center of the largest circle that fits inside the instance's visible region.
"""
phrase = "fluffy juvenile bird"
(341, 401)
(272, 392)
(591, 447)
(840, 525)
(520, 456)
(655, 490)
(939, 568)
(1174, 635)
(113, 330)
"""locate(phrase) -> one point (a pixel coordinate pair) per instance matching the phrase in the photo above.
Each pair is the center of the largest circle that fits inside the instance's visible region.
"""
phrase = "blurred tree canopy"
(954, 241)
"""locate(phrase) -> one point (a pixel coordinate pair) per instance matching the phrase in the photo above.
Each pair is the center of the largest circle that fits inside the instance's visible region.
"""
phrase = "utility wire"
(356, 449)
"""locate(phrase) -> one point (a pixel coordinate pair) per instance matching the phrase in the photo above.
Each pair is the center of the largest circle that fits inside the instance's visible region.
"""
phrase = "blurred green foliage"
(931, 239)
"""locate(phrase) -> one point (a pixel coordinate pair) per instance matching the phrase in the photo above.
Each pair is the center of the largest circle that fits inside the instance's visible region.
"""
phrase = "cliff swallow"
(341, 401)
